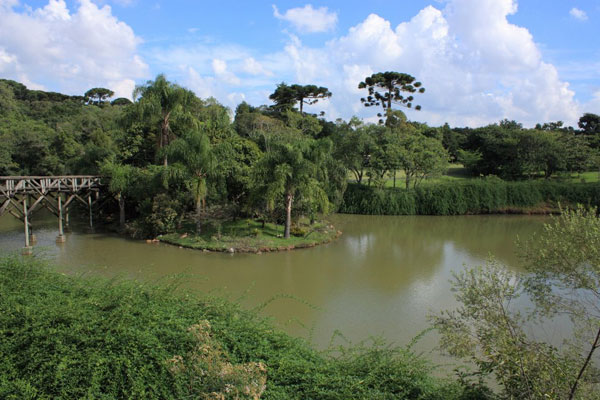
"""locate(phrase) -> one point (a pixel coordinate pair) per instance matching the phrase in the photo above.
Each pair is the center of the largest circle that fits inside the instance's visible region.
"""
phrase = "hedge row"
(478, 196)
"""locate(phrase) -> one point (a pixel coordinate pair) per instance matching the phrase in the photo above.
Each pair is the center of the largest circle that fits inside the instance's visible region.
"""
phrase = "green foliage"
(472, 197)
(488, 330)
(561, 279)
(166, 105)
(289, 171)
(511, 152)
(386, 88)
(98, 96)
(157, 216)
(286, 96)
(69, 337)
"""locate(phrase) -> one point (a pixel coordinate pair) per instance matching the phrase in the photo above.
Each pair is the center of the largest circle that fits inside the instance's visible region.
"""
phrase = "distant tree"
(386, 88)
(420, 157)
(510, 124)
(121, 101)
(98, 96)
(166, 103)
(354, 147)
(589, 124)
(287, 96)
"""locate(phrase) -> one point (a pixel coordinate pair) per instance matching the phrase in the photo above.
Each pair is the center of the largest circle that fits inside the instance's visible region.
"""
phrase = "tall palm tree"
(194, 160)
(167, 104)
(290, 170)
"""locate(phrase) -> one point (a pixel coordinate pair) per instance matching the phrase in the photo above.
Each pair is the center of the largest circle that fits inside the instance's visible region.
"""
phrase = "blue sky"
(480, 60)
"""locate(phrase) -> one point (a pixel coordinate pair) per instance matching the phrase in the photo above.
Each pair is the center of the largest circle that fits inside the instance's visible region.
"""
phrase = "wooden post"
(67, 225)
(90, 209)
(27, 250)
(61, 234)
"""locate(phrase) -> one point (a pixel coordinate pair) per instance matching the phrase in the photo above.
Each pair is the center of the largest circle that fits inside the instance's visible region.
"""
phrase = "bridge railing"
(12, 185)
(21, 196)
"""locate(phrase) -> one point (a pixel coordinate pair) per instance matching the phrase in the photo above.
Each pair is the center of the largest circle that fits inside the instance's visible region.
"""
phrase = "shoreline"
(252, 239)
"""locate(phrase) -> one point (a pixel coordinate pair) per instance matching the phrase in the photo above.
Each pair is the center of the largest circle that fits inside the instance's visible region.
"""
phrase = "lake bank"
(73, 337)
(383, 270)
(251, 236)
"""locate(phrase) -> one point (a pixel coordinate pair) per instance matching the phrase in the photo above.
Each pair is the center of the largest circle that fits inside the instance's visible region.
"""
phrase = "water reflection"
(382, 277)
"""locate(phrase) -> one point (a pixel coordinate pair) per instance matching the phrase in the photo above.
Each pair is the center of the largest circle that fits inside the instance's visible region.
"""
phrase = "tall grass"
(475, 196)
(65, 337)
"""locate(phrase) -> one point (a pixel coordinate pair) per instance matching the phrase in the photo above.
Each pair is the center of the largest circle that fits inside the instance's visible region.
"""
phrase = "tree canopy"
(166, 103)
(387, 88)
(98, 96)
(285, 97)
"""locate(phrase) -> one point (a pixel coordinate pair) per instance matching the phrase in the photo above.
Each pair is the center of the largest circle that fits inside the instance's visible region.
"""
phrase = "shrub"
(473, 197)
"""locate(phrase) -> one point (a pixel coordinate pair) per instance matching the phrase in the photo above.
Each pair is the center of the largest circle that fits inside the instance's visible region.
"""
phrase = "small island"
(252, 236)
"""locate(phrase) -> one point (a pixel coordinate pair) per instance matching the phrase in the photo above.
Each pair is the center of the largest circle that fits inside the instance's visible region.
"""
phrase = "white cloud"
(308, 19)
(477, 67)
(578, 14)
(253, 67)
(72, 50)
(221, 72)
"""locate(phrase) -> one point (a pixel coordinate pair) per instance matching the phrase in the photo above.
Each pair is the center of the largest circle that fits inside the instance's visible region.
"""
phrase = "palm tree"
(167, 104)
(194, 160)
(290, 170)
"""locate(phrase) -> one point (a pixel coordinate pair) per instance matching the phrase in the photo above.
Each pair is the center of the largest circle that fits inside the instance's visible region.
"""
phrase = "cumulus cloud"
(308, 19)
(220, 70)
(253, 67)
(72, 50)
(477, 67)
(578, 14)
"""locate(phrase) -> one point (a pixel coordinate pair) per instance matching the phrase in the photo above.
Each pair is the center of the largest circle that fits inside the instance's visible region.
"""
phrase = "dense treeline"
(479, 196)
(511, 152)
(172, 156)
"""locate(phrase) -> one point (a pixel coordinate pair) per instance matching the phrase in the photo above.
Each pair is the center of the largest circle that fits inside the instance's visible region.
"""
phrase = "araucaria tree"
(98, 96)
(387, 88)
(167, 104)
(287, 96)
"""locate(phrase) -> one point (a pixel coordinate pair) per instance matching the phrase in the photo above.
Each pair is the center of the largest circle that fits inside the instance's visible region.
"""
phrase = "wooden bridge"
(22, 196)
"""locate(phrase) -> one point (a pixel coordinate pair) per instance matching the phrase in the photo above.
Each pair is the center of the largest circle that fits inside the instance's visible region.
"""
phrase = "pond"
(382, 277)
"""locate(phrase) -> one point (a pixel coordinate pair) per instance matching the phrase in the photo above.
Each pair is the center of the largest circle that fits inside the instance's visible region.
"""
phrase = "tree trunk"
(121, 211)
(394, 179)
(407, 181)
(595, 345)
(198, 216)
(164, 138)
(289, 198)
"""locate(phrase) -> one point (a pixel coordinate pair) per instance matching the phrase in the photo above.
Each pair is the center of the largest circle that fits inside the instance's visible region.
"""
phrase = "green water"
(381, 278)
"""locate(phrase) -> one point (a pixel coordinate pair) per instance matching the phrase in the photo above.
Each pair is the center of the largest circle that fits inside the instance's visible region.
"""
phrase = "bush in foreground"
(65, 337)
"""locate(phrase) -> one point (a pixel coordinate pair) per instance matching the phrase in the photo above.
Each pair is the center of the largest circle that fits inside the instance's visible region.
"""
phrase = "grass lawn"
(249, 236)
(457, 173)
